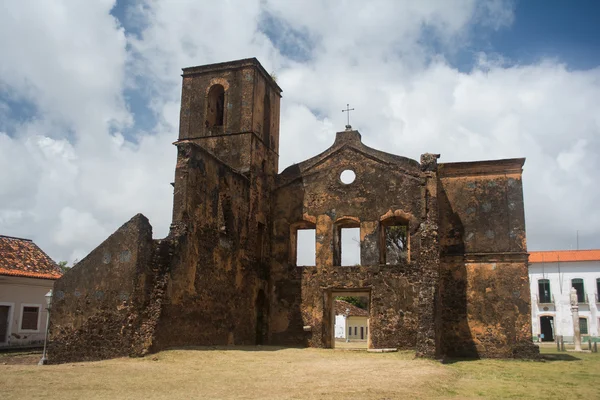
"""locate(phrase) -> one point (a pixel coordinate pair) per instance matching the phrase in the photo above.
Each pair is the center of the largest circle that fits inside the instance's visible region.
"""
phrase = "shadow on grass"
(559, 357)
(541, 358)
(454, 360)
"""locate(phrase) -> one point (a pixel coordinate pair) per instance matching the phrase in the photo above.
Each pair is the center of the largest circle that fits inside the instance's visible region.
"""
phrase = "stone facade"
(227, 273)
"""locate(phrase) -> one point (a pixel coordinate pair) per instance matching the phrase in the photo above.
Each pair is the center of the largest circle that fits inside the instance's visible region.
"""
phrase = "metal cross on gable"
(347, 110)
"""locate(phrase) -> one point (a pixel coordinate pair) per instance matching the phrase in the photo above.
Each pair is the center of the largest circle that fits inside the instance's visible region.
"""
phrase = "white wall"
(340, 327)
(356, 323)
(18, 292)
(560, 275)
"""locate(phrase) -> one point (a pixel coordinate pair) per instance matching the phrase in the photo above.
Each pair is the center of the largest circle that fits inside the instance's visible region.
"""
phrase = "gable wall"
(302, 295)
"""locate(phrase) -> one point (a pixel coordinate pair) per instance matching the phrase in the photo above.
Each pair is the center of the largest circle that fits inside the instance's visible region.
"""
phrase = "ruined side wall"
(484, 290)
(485, 309)
(99, 304)
(214, 279)
(301, 296)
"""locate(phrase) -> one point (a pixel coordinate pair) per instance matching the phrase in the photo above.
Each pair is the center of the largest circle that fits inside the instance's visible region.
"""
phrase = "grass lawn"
(275, 373)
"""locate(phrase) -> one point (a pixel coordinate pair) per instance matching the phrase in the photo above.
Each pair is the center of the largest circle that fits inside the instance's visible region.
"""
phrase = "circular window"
(348, 176)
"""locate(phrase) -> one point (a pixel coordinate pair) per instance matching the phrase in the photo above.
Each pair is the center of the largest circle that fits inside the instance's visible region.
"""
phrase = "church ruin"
(455, 282)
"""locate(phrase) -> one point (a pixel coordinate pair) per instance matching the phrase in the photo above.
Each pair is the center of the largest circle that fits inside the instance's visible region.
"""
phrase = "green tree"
(396, 243)
(63, 266)
(358, 302)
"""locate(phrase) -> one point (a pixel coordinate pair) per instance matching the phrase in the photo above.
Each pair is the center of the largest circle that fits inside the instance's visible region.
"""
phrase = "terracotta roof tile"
(341, 306)
(22, 257)
(564, 256)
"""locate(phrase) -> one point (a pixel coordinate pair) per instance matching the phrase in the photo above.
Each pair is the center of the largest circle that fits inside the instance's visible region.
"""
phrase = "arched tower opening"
(215, 106)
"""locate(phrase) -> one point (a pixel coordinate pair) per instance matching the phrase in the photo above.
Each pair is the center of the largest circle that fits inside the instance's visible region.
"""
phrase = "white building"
(551, 276)
(26, 275)
(351, 322)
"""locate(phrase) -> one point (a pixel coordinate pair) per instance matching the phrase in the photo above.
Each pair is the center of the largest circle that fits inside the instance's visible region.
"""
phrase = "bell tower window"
(215, 106)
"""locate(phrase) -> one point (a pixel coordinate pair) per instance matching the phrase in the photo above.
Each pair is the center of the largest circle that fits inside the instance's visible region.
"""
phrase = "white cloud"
(69, 175)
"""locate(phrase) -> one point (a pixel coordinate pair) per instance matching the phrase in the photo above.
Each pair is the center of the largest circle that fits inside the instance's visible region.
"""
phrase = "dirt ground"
(278, 373)
(20, 358)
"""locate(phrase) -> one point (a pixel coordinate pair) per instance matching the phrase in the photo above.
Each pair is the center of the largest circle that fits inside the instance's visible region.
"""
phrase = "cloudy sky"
(90, 90)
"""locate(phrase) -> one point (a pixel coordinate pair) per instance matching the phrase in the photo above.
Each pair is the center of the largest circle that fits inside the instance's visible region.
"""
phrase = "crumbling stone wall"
(311, 193)
(215, 277)
(484, 290)
(99, 305)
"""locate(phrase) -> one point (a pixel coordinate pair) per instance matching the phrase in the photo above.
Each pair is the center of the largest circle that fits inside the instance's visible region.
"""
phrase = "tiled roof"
(22, 257)
(341, 306)
(563, 256)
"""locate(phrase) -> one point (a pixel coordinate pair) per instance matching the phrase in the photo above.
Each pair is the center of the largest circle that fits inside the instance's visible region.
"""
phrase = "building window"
(215, 106)
(355, 331)
(306, 247)
(394, 241)
(350, 246)
(583, 326)
(349, 331)
(4, 322)
(29, 318)
(544, 291)
(346, 242)
(598, 290)
(577, 283)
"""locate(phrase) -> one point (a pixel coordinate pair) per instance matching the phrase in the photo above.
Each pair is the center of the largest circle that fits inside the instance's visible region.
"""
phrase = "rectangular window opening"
(577, 283)
(306, 247)
(350, 243)
(544, 291)
(396, 243)
(30, 318)
(4, 318)
(583, 326)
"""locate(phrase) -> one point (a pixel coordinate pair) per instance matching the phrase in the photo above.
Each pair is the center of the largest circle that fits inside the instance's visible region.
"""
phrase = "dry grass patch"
(275, 373)
(243, 373)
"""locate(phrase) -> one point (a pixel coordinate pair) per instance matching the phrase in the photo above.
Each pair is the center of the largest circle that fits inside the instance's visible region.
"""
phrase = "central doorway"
(547, 328)
(349, 319)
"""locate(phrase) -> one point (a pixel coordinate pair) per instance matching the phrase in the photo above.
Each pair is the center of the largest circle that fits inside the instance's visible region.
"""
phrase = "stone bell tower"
(231, 109)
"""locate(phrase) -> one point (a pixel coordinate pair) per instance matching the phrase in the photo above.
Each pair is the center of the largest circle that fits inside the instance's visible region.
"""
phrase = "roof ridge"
(14, 237)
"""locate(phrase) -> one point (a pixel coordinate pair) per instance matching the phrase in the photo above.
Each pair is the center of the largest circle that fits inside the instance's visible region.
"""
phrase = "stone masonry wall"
(215, 277)
(98, 305)
(484, 290)
(312, 195)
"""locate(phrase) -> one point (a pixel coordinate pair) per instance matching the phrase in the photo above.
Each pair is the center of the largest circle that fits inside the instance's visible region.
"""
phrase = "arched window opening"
(267, 118)
(394, 241)
(577, 283)
(544, 291)
(346, 243)
(215, 106)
